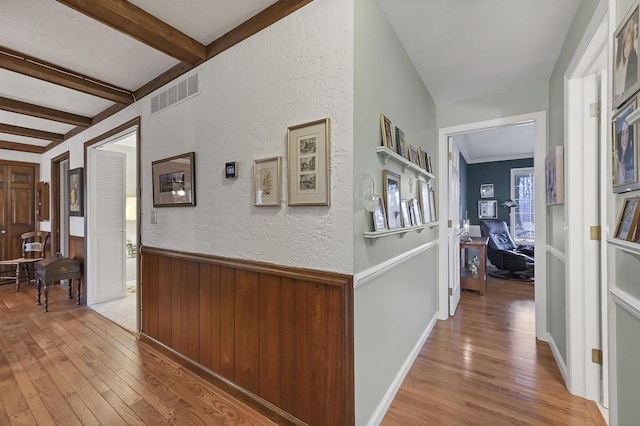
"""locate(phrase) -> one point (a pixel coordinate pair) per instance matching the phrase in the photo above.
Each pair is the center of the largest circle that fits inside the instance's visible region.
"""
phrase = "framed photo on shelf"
(379, 215)
(174, 181)
(392, 199)
(402, 143)
(626, 79)
(432, 205)
(309, 168)
(486, 190)
(487, 209)
(387, 133)
(628, 221)
(414, 207)
(267, 176)
(76, 192)
(413, 154)
(406, 218)
(625, 152)
(424, 194)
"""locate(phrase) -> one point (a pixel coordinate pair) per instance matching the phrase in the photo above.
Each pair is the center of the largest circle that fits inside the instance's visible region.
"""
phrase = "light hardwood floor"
(485, 367)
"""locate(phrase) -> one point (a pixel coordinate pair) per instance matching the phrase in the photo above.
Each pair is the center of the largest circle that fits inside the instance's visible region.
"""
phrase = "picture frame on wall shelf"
(174, 181)
(628, 220)
(486, 190)
(554, 176)
(309, 167)
(626, 65)
(387, 133)
(413, 156)
(401, 143)
(76, 191)
(379, 215)
(420, 158)
(267, 176)
(392, 199)
(406, 218)
(487, 209)
(625, 150)
(414, 207)
(432, 205)
(424, 195)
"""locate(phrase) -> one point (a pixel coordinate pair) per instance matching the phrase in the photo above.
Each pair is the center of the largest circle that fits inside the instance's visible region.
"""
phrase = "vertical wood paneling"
(247, 330)
(227, 322)
(287, 340)
(216, 321)
(76, 251)
(270, 341)
(176, 304)
(146, 284)
(153, 294)
(205, 314)
(164, 301)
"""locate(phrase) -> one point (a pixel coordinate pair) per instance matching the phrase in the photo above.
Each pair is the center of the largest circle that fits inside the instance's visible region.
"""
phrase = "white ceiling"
(497, 144)
(461, 48)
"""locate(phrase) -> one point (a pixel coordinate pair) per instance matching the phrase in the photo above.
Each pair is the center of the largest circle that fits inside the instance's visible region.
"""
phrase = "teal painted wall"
(499, 174)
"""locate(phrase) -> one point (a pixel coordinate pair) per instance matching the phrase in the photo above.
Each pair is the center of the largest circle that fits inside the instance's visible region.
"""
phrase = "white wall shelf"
(386, 154)
(373, 235)
(626, 246)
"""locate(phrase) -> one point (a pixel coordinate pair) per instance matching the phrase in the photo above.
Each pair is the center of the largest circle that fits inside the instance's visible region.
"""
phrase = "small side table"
(469, 280)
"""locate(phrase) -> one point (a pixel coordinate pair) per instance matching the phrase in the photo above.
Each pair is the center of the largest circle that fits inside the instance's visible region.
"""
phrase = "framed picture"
(406, 218)
(628, 221)
(554, 176)
(387, 133)
(392, 198)
(424, 193)
(379, 215)
(76, 192)
(626, 79)
(174, 182)
(414, 208)
(402, 143)
(420, 158)
(432, 205)
(486, 190)
(413, 154)
(309, 163)
(625, 153)
(267, 176)
(487, 209)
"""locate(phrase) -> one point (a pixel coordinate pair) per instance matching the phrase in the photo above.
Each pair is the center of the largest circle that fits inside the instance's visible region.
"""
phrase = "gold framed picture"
(628, 221)
(267, 175)
(387, 133)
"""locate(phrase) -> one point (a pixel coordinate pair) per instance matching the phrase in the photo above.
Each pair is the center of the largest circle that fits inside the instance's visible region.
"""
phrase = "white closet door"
(106, 226)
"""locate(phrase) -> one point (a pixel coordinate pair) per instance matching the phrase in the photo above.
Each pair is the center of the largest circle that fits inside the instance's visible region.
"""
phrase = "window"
(522, 221)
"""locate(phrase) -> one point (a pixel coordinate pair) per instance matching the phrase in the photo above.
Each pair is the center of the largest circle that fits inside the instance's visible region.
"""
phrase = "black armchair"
(516, 261)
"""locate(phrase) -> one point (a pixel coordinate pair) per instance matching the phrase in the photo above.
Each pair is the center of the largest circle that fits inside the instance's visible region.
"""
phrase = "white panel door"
(106, 226)
(454, 229)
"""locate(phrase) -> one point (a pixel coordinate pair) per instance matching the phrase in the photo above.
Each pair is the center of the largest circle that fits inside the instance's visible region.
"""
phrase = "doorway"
(59, 205)
(113, 227)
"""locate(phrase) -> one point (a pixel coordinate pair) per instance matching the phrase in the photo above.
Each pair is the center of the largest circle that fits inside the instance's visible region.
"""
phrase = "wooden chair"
(34, 249)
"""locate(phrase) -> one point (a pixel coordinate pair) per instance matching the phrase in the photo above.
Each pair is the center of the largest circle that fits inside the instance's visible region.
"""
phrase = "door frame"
(539, 119)
(55, 201)
(113, 134)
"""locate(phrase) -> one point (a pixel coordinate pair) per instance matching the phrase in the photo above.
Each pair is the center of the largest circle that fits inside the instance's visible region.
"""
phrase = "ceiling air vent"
(175, 94)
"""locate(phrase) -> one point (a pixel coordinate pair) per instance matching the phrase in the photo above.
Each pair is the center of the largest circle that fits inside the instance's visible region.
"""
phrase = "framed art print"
(625, 153)
(379, 215)
(76, 192)
(628, 220)
(387, 133)
(486, 190)
(266, 181)
(174, 182)
(309, 158)
(392, 199)
(626, 79)
(487, 209)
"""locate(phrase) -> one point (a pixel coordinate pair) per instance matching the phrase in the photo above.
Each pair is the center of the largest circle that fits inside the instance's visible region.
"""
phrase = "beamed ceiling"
(68, 64)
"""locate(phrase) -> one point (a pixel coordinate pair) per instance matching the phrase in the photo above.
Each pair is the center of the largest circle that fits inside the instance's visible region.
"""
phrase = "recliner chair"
(504, 254)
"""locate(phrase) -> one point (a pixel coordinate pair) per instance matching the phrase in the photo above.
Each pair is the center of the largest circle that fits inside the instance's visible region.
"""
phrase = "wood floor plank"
(485, 366)
(59, 409)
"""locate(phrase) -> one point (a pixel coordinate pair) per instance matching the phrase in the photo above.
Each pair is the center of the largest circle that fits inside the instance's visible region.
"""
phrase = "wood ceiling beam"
(32, 110)
(42, 70)
(262, 20)
(31, 133)
(135, 22)
(23, 147)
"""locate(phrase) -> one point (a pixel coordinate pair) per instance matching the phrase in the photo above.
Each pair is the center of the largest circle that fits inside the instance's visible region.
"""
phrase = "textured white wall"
(26, 157)
(297, 70)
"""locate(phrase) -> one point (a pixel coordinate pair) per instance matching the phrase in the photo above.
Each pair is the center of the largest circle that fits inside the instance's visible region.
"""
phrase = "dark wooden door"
(17, 198)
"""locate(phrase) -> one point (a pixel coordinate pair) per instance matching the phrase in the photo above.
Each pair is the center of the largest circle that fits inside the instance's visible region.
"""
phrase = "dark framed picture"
(379, 215)
(402, 143)
(174, 182)
(628, 221)
(387, 133)
(625, 153)
(626, 80)
(76, 192)
(392, 198)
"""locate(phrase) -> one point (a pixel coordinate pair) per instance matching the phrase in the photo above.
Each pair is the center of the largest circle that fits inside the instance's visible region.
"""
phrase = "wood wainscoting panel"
(281, 337)
(77, 251)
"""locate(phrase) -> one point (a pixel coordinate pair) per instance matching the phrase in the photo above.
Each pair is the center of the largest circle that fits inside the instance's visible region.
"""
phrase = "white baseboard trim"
(557, 253)
(368, 275)
(626, 301)
(386, 401)
(556, 354)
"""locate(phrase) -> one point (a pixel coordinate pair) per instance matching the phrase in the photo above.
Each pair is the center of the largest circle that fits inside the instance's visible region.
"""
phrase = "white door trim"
(540, 120)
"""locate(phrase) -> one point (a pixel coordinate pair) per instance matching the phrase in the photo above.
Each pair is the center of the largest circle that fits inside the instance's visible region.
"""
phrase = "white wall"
(26, 157)
(297, 70)
(396, 295)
